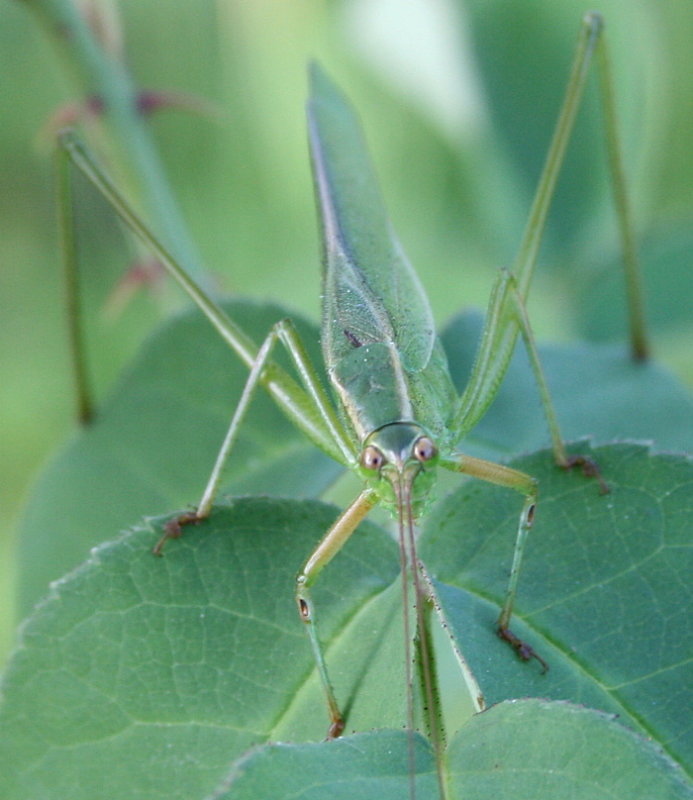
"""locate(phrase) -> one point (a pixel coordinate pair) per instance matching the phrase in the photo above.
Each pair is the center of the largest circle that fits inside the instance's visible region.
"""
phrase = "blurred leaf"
(668, 285)
(524, 53)
(154, 442)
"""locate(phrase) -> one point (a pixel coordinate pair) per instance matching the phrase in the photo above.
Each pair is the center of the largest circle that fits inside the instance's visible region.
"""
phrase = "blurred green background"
(458, 101)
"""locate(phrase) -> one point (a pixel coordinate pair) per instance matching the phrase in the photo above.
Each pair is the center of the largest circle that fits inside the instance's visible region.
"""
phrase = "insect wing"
(370, 292)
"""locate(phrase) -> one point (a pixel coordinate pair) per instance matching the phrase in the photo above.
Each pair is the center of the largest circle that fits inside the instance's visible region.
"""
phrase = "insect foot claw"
(336, 729)
(523, 650)
(589, 470)
(174, 530)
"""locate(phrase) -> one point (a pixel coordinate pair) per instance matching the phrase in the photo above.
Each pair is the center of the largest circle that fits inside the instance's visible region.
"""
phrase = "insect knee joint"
(304, 609)
(530, 513)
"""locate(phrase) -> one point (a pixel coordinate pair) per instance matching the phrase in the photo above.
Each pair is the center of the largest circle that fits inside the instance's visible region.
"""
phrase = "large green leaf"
(502, 753)
(145, 677)
(604, 591)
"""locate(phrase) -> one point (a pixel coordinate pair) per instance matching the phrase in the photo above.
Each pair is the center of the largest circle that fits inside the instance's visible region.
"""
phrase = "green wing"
(370, 292)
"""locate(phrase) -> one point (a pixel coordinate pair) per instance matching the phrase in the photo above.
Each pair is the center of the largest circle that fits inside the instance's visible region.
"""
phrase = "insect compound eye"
(372, 458)
(424, 449)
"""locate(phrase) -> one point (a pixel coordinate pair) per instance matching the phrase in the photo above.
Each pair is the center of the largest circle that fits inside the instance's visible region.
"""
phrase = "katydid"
(397, 417)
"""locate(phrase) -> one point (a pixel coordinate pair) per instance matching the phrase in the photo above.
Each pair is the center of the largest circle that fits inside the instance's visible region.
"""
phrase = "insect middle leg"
(527, 485)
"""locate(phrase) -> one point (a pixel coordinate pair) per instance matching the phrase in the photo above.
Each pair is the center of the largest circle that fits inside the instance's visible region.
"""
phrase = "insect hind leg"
(565, 460)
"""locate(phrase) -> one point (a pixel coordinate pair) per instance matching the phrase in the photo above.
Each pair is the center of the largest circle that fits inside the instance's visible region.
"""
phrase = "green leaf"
(529, 749)
(370, 766)
(142, 677)
(603, 594)
(154, 442)
(501, 753)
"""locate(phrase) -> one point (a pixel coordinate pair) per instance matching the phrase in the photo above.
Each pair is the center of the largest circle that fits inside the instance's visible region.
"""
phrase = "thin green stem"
(102, 80)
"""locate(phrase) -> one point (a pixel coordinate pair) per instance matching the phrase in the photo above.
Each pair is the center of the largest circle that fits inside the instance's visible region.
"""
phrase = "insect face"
(397, 459)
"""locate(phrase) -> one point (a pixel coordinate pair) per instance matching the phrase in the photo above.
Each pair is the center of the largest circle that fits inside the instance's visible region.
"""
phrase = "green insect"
(397, 418)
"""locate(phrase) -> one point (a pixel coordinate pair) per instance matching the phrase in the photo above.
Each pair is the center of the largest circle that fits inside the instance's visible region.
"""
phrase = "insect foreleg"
(329, 546)
(317, 407)
(285, 332)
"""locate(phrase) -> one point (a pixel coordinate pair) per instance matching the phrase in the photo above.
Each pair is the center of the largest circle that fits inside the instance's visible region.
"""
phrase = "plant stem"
(104, 84)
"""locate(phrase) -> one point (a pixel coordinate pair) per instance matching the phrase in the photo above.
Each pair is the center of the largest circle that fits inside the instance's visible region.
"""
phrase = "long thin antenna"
(404, 563)
(427, 660)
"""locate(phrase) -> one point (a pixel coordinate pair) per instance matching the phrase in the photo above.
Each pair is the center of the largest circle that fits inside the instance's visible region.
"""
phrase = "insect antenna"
(409, 563)
(404, 566)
